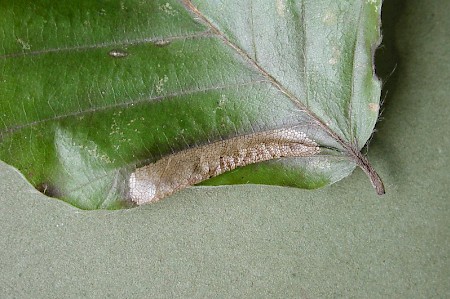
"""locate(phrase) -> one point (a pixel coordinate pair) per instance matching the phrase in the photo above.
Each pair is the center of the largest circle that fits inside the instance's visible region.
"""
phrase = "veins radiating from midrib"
(215, 30)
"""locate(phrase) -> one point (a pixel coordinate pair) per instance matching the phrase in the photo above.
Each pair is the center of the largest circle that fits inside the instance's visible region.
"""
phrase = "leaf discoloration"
(118, 53)
(177, 74)
(192, 166)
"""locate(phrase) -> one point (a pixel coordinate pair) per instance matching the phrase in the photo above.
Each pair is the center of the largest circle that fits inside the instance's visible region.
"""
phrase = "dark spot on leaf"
(49, 190)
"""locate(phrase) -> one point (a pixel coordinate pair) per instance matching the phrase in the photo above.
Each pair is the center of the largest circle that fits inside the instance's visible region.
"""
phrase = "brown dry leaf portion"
(189, 167)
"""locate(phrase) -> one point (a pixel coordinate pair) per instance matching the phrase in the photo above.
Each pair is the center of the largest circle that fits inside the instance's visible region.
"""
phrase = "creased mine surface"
(189, 167)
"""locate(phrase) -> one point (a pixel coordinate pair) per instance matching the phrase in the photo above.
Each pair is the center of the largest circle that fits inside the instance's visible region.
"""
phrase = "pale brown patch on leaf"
(281, 6)
(374, 107)
(191, 166)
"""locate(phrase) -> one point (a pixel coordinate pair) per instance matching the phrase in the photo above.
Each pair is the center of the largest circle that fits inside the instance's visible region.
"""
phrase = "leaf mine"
(322, 107)
(209, 86)
(191, 166)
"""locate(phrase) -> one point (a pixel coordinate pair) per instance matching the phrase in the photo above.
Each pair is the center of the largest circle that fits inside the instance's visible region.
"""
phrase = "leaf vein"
(9, 130)
(188, 4)
(125, 43)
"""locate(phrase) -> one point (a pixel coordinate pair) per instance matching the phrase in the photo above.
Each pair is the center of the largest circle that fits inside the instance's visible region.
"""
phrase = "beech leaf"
(110, 104)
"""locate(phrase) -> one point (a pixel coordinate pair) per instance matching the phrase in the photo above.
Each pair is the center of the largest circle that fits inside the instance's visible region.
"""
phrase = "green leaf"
(92, 91)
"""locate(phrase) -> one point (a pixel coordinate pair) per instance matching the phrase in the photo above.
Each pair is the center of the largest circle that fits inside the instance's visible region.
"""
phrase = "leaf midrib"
(263, 72)
(351, 149)
(212, 30)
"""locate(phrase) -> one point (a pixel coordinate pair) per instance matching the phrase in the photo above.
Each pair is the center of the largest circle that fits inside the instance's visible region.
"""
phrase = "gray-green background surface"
(257, 241)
